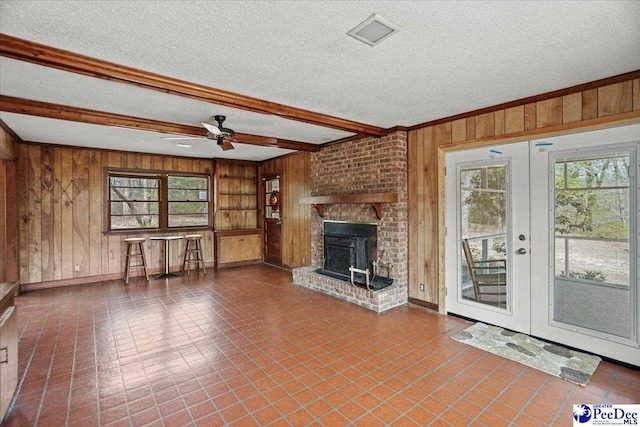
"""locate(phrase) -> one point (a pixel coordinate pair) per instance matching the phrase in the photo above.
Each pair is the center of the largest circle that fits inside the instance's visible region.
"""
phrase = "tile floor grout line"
(565, 402)
(369, 411)
(532, 396)
(354, 366)
(28, 366)
(187, 407)
(495, 399)
(73, 366)
(51, 364)
(97, 370)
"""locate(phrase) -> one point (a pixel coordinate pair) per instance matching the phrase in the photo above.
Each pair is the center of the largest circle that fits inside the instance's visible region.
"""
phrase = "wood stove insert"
(351, 245)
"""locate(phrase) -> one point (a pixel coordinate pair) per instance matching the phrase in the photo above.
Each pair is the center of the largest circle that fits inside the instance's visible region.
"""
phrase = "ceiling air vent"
(373, 30)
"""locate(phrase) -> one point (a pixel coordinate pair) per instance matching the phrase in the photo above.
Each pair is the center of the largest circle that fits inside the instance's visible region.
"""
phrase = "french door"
(487, 241)
(585, 254)
(565, 220)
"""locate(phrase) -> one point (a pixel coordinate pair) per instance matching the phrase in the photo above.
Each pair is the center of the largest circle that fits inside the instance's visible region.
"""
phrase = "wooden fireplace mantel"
(376, 199)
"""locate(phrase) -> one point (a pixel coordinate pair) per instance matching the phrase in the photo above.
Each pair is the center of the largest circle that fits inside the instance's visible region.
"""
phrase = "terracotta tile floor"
(245, 347)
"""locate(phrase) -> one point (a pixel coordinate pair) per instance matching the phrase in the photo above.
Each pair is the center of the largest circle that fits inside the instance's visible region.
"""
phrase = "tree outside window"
(157, 201)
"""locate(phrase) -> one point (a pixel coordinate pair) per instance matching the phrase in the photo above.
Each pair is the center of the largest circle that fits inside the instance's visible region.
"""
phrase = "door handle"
(521, 251)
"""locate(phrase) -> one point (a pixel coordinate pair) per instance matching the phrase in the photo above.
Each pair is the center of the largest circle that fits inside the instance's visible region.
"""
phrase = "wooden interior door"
(272, 220)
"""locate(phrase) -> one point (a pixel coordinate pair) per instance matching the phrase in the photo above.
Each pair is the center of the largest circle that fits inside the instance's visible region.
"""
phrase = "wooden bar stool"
(193, 252)
(131, 243)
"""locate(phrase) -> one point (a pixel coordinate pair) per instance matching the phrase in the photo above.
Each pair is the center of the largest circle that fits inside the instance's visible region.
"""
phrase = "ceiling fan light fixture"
(373, 30)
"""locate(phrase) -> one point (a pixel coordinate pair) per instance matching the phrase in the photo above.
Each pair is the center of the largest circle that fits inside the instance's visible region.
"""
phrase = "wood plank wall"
(8, 209)
(3, 218)
(294, 170)
(60, 192)
(8, 145)
(592, 108)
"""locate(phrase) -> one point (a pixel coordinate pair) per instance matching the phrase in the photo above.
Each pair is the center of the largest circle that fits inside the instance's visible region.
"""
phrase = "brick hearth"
(378, 301)
(367, 165)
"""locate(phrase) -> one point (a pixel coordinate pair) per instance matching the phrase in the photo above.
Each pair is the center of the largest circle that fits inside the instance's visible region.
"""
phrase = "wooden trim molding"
(351, 198)
(376, 200)
(237, 162)
(532, 99)
(424, 304)
(345, 139)
(75, 114)
(24, 50)
(10, 131)
(238, 232)
(107, 150)
(548, 132)
(27, 287)
(8, 142)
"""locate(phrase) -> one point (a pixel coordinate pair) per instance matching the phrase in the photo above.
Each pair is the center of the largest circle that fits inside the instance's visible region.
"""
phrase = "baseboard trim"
(26, 287)
(424, 304)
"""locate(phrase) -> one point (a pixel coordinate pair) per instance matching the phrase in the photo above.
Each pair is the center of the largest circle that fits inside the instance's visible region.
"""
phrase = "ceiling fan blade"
(211, 128)
(183, 137)
(224, 143)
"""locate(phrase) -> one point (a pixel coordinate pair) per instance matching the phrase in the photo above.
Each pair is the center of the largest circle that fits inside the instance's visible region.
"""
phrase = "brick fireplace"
(364, 166)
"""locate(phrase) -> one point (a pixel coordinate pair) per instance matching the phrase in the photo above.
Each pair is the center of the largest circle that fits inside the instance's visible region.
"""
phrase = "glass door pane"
(487, 252)
(272, 198)
(592, 243)
(483, 230)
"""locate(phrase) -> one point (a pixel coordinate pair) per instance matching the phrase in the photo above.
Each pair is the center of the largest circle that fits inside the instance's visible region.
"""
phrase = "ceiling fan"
(223, 136)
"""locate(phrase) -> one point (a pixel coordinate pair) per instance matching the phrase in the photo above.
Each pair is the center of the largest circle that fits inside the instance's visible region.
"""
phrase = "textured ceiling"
(62, 132)
(25, 80)
(448, 58)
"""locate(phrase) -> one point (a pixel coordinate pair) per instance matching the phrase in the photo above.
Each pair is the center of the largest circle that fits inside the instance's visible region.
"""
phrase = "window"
(133, 202)
(188, 201)
(157, 201)
(272, 197)
(592, 205)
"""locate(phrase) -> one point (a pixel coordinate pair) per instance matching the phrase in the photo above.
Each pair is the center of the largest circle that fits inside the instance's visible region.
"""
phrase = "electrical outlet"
(421, 287)
(76, 267)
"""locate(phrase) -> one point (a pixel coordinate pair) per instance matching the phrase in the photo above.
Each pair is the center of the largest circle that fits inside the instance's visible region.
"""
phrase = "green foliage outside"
(485, 190)
(592, 201)
(593, 275)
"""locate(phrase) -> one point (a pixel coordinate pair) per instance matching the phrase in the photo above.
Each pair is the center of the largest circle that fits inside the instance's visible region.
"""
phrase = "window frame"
(163, 199)
(581, 154)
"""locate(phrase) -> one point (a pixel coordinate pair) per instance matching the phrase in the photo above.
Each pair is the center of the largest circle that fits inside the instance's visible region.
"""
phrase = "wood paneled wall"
(294, 170)
(3, 219)
(593, 108)
(60, 191)
(8, 209)
(8, 145)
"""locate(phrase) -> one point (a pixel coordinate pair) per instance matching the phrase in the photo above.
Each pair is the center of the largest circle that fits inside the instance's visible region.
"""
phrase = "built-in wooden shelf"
(376, 200)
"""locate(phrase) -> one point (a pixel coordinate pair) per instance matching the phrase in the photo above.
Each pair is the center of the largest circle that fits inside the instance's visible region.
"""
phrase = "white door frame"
(516, 157)
(542, 324)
